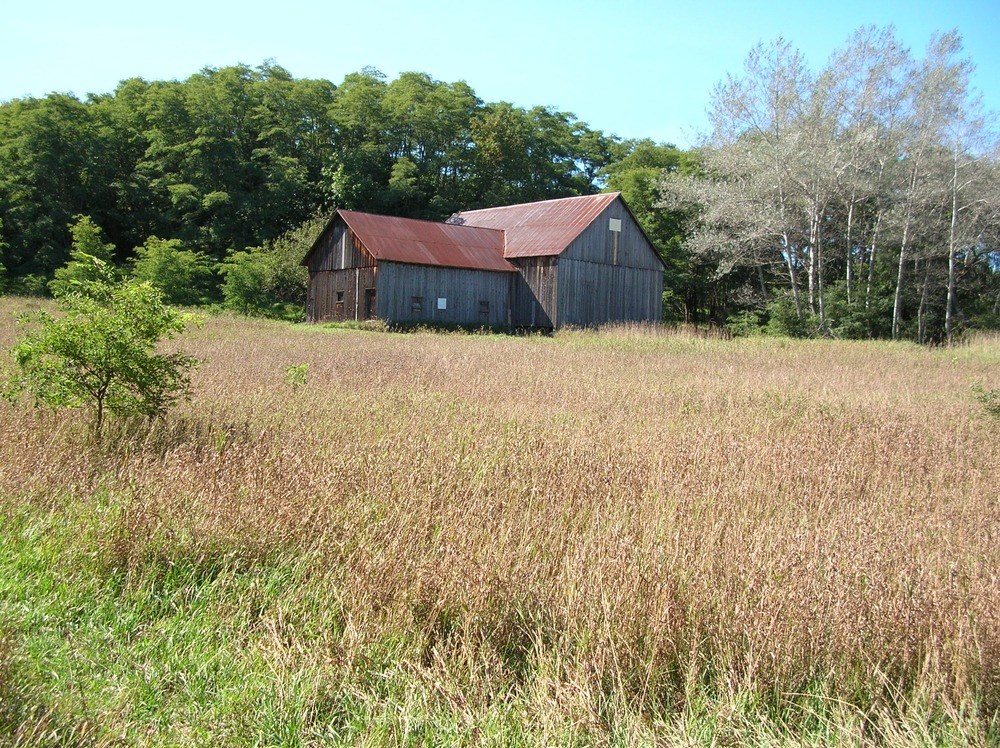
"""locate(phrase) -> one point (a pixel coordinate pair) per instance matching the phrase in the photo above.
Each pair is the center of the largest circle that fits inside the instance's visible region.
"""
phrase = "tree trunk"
(922, 309)
(871, 261)
(816, 269)
(850, 251)
(949, 309)
(897, 305)
(792, 277)
(821, 288)
(812, 272)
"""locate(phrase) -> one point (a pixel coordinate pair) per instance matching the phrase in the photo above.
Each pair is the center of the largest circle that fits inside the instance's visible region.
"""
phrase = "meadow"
(624, 537)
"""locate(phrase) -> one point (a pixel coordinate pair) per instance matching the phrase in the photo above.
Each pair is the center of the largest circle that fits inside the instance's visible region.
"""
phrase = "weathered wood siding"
(597, 287)
(596, 294)
(340, 271)
(339, 249)
(410, 293)
(338, 295)
(534, 296)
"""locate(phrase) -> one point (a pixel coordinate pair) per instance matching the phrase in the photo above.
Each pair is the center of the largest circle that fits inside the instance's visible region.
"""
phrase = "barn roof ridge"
(405, 218)
(543, 228)
(595, 196)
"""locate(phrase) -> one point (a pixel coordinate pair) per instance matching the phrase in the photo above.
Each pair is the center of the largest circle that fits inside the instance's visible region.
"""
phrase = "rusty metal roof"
(427, 243)
(542, 228)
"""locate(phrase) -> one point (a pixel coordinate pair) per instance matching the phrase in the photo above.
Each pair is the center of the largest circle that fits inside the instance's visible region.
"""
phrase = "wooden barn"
(574, 261)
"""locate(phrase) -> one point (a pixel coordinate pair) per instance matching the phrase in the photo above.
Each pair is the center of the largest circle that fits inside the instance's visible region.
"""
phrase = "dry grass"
(602, 527)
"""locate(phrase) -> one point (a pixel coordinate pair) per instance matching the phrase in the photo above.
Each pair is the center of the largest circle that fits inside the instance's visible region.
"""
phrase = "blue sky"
(632, 67)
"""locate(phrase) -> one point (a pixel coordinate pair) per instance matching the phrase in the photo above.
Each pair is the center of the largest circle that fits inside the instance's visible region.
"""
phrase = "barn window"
(338, 307)
(484, 311)
(417, 304)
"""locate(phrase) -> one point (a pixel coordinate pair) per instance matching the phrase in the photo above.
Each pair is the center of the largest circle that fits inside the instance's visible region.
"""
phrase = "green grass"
(207, 649)
(611, 538)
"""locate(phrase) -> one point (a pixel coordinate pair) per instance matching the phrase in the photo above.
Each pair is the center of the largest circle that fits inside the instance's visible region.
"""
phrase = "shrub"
(183, 275)
(744, 324)
(989, 399)
(269, 281)
(101, 354)
(87, 247)
(783, 319)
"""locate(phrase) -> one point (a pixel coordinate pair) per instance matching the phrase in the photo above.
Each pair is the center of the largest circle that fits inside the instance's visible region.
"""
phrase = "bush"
(88, 246)
(183, 275)
(989, 399)
(744, 324)
(101, 354)
(783, 319)
(269, 281)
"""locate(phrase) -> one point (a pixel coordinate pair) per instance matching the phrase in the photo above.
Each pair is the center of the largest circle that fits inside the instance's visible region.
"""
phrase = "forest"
(858, 200)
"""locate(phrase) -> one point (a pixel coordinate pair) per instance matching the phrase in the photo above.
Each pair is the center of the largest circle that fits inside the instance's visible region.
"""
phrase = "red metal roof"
(538, 229)
(426, 243)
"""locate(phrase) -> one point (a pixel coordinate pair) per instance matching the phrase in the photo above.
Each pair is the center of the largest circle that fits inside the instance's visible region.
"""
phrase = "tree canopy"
(860, 199)
(234, 157)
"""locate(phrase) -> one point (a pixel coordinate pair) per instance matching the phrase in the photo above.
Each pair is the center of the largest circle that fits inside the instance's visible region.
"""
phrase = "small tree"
(87, 246)
(270, 281)
(183, 275)
(102, 353)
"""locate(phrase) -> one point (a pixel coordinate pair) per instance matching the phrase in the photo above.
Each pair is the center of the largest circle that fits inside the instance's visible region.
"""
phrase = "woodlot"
(620, 537)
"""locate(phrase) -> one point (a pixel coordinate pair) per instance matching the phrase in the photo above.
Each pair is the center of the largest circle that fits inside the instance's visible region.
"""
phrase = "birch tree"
(829, 171)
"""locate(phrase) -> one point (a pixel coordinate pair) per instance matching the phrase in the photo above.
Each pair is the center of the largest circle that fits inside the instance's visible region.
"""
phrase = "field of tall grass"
(622, 537)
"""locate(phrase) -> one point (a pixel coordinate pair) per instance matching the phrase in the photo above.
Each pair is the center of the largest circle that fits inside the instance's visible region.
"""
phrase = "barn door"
(371, 307)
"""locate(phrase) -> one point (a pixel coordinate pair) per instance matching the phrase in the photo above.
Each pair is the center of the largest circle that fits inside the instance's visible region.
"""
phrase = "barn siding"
(535, 291)
(322, 304)
(594, 290)
(339, 249)
(597, 294)
(339, 263)
(596, 242)
(465, 291)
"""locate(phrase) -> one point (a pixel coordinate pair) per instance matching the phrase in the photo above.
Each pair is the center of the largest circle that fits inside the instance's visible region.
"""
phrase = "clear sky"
(637, 68)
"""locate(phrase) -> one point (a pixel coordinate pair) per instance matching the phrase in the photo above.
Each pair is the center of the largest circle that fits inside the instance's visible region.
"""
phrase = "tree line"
(859, 200)
(216, 179)
(232, 158)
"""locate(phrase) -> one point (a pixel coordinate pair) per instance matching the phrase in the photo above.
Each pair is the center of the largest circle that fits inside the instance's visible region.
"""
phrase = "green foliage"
(745, 324)
(28, 285)
(989, 399)
(296, 375)
(270, 281)
(783, 319)
(859, 318)
(102, 354)
(87, 257)
(182, 275)
(3, 270)
(245, 289)
(56, 161)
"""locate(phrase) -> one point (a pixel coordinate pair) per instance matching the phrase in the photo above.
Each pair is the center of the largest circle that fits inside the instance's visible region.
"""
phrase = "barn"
(576, 261)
